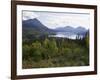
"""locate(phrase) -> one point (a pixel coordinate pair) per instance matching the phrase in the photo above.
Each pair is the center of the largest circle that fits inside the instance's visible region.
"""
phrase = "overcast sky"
(53, 19)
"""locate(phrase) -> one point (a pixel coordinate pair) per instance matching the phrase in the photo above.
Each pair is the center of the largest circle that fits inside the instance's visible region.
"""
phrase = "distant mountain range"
(64, 29)
(34, 25)
(78, 30)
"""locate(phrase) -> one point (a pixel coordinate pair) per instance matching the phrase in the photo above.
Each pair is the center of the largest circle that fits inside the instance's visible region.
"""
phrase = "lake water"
(66, 35)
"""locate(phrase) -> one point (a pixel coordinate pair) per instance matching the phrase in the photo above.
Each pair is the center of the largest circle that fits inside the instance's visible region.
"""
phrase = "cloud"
(29, 15)
(53, 19)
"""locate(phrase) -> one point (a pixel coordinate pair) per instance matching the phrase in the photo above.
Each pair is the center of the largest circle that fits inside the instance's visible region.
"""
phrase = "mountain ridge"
(36, 25)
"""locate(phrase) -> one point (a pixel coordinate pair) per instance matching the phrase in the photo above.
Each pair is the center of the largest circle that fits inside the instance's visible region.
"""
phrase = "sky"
(59, 19)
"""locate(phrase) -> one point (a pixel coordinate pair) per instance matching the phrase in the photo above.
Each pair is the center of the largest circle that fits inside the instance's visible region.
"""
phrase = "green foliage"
(87, 41)
(26, 50)
(35, 51)
(53, 52)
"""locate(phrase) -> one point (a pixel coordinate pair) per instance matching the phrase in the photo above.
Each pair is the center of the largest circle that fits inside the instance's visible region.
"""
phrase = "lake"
(67, 35)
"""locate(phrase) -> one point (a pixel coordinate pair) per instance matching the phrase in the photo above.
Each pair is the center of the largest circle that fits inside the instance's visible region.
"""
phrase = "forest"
(44, 52)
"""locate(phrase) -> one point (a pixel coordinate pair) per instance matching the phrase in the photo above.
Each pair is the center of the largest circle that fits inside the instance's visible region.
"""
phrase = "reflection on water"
(67, 35)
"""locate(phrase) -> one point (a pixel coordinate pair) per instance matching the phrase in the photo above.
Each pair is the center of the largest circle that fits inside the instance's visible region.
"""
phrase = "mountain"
(65, 29)
(35, 25)
(78, 30)
(33, 28)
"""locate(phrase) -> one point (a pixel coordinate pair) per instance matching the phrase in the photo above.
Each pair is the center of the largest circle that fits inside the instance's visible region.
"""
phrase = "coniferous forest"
(44, 51)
